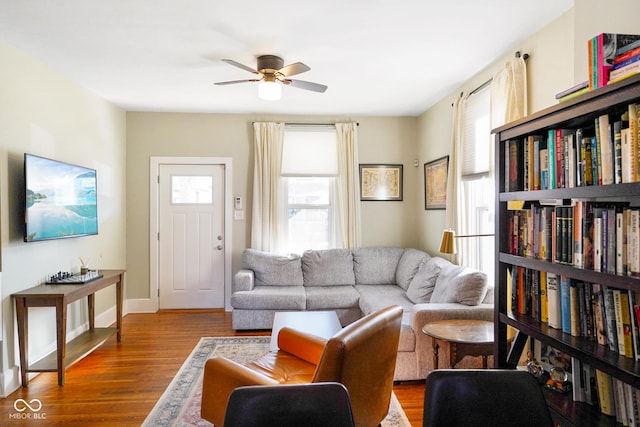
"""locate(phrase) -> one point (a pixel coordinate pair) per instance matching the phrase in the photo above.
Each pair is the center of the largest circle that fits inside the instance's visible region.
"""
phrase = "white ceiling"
(378, 57)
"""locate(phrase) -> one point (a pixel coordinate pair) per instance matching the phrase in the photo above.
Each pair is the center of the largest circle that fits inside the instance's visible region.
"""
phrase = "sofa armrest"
(305, 346)
(244, 280)
(421, 314)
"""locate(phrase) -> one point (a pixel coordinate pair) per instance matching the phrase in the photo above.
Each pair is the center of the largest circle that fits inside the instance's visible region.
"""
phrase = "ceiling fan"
(273, 74)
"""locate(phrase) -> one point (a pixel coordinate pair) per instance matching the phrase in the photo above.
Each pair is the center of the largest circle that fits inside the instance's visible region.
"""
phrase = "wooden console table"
(59, 296)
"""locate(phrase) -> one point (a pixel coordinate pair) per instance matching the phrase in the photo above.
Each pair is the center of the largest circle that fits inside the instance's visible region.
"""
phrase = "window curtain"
(266, 215)
(455, 201)
(509, 93)
(508, 103)
(348, 185)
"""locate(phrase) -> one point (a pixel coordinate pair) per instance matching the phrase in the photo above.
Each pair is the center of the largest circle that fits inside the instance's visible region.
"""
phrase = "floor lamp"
(448, 242)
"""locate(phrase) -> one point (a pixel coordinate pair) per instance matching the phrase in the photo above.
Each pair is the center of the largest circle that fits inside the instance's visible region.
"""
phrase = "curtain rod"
(308, 124)
(488, 82)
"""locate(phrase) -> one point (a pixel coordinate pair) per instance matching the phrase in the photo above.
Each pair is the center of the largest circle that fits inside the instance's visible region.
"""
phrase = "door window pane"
(191, 190)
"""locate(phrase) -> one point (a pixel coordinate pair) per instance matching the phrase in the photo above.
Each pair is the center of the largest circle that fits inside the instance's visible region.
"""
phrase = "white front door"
(191, 241)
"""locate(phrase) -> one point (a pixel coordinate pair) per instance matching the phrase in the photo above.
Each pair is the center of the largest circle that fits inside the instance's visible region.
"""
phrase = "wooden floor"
(119, 383)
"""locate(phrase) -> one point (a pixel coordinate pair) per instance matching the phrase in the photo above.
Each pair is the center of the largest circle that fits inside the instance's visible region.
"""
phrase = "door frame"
(154, 224)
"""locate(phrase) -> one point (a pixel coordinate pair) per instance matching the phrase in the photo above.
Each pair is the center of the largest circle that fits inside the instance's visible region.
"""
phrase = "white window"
(186, 190)
(309, 168)
(477, 185)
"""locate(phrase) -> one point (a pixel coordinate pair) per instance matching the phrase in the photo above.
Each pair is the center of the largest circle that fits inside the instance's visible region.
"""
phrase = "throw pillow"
(272, 269)
(420, 289)
(460, 284)
(376, 265)
(328, 267)
(410, 263)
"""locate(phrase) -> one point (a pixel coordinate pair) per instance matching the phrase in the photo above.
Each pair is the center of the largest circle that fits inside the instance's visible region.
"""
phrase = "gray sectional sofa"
(357, 282)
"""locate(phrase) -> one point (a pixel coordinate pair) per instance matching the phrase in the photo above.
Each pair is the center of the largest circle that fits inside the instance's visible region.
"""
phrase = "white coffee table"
(321, 323)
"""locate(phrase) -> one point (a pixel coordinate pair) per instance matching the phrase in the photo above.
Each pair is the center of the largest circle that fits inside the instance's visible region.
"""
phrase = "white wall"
(43, 113)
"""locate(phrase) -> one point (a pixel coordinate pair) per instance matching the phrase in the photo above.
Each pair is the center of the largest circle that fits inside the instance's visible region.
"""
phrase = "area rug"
(179, 405)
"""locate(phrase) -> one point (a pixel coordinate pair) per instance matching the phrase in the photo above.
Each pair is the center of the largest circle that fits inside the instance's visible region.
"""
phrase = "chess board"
(73, 279)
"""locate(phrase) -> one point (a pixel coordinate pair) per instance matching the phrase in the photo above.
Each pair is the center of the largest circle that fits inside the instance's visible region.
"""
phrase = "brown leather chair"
(362, 356)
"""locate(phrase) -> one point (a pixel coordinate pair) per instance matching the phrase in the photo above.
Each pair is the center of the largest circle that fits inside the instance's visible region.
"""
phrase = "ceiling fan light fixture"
(270, 91)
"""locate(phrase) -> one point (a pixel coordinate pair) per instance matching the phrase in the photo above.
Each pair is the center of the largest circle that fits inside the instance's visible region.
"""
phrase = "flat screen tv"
(61, 200)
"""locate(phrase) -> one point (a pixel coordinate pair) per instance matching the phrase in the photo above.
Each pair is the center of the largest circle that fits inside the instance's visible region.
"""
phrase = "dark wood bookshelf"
(580, 112)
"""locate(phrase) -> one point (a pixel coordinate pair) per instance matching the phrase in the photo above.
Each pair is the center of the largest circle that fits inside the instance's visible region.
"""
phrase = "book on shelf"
(624, 55)
(573, 89)
(623, 61)
(553, 302)
(624, 72)
(610, 319)
(605, 148)
(605, 393)
(551, 155)
(544, 298)
(565, 303)
(599, 315)
(602, 51)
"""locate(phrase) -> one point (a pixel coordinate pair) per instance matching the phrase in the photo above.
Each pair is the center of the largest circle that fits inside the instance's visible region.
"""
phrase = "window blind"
(310, 152)
(476, 134)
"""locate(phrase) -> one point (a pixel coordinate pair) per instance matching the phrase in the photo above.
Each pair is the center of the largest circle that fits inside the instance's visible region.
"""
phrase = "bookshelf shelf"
(580, 112)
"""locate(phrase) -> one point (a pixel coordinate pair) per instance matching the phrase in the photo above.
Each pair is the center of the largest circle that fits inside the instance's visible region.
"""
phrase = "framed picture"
(435, 183)
(381, 182)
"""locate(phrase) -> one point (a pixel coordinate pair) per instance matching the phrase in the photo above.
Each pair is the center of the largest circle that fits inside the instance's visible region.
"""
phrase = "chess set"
(66, 278)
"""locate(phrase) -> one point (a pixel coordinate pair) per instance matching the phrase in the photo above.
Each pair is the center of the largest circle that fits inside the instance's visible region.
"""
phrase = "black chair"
(304, 405)
(482, 398)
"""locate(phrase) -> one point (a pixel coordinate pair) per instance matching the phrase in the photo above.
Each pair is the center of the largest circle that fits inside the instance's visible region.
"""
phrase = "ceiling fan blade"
(232, 82)
(301, 84)
(293, 69)
(239, 65)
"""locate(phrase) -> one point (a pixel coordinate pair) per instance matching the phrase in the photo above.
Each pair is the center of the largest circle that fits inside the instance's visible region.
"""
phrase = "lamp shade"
(448, 242)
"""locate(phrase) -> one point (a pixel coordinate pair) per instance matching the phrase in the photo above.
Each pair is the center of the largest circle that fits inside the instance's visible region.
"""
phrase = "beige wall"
(43, 113)
(557, 61)
(381, 140)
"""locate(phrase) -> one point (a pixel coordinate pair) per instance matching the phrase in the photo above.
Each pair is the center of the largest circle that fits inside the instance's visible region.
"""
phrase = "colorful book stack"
(573, 91)
(607, 152)
(626, 63)
(603, 50)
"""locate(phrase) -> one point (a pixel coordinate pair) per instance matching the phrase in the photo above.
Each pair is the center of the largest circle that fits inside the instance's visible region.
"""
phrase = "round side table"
(466, 337)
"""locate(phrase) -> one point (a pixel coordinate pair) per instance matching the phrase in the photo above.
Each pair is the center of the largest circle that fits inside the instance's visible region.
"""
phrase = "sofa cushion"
(423, 283)
(329, 267)
(460, 284)
(409, 264)
(376, 266)
(331, 297)
(375, 297)
(270, 298)
(273, 270)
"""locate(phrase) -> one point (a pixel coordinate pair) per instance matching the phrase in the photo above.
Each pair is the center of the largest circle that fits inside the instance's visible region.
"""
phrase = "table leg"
(91, 304)
(61, 335)
(453, 354)
(119, 296)
(435, 352)
(22, 313)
